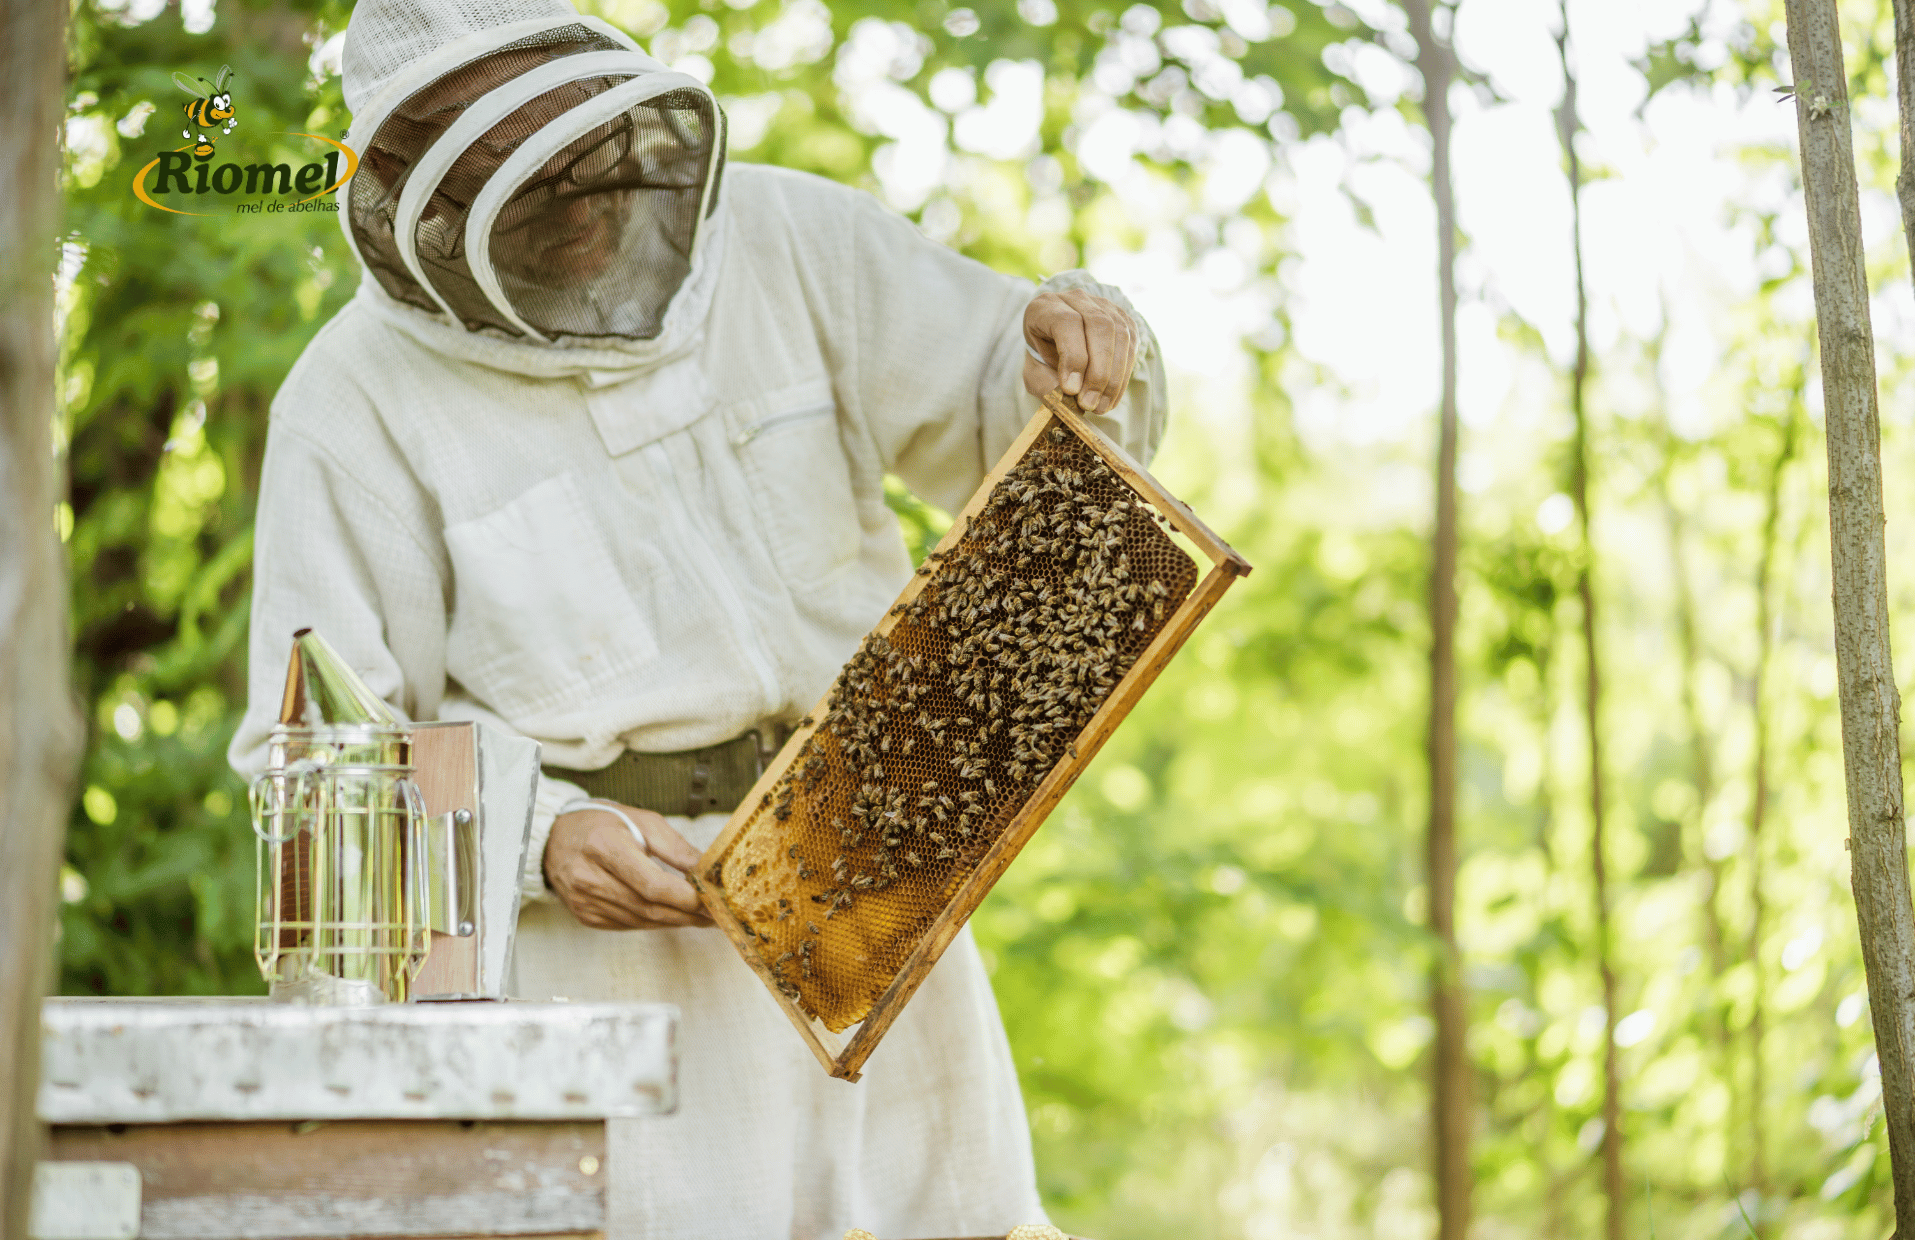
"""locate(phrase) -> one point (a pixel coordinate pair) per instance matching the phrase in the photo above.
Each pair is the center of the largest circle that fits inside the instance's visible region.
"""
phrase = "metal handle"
(266, 797)
(452, 872)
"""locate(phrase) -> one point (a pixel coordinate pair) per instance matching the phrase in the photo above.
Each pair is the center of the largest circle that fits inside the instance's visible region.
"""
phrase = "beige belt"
(712, 780)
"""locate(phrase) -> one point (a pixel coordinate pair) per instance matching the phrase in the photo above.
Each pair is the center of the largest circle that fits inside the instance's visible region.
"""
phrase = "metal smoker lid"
(322, 688)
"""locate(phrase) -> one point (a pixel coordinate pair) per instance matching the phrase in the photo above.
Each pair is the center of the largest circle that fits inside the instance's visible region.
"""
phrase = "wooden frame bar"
(845, 1058)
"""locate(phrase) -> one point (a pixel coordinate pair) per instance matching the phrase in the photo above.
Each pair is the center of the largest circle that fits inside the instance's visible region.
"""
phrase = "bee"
(211, 109)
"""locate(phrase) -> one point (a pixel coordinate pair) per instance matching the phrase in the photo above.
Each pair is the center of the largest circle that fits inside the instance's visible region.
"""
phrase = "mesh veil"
(387, 158)
(608, 173)
(593, 240)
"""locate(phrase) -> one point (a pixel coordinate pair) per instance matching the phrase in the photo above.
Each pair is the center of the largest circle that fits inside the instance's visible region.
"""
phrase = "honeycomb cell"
(942, 726)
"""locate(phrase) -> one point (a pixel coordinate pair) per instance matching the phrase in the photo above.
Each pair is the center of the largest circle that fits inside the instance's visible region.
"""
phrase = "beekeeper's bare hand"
(598, 870)
(1089, 345)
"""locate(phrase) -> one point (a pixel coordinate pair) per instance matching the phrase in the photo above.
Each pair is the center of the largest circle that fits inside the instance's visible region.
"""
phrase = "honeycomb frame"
(758, 825)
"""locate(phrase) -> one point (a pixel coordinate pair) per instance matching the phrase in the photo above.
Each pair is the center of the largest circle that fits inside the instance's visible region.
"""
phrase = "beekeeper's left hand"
(610, 881)
(1088, 346)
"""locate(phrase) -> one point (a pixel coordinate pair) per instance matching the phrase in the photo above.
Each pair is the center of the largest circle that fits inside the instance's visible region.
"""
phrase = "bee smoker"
(388, 852)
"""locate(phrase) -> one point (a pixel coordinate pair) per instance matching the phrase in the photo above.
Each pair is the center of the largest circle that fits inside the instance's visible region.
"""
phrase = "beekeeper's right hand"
(599, 871)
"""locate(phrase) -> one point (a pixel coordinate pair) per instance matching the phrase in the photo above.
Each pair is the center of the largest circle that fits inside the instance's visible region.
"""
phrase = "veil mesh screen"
(599, 239)
(416, 124)
(935, 735)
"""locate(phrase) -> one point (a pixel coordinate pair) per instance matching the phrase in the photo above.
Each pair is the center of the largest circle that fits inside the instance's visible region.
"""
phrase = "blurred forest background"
(1213, 962)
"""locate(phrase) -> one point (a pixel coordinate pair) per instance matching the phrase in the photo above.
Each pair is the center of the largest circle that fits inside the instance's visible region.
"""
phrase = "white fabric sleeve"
(334, 553)
(546, 799)
(552, 794)
(933, 366)
(349, 556)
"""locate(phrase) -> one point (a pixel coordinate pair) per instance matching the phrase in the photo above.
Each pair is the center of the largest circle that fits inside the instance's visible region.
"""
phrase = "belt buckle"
(769, 741)
(698, 794)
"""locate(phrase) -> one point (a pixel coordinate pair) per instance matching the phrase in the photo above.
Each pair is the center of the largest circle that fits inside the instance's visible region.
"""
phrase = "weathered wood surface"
(39, 733)
(1871, 704)
(160, 1061)
(356, 1178)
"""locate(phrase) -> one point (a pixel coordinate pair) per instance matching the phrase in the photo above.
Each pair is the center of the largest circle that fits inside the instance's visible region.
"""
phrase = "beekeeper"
(597, 454)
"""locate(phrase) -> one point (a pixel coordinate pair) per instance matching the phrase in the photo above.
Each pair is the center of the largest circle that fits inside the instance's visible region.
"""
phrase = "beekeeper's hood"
(529, 175)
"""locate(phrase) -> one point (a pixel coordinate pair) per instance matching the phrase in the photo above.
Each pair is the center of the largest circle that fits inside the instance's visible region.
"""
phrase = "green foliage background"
(1212, 961)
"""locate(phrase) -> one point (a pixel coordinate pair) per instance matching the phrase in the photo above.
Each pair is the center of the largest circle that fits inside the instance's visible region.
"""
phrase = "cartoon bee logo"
(211, 111)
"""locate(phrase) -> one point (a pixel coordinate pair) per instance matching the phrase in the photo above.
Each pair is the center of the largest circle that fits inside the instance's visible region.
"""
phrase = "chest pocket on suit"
(789, 448)
(541, 614)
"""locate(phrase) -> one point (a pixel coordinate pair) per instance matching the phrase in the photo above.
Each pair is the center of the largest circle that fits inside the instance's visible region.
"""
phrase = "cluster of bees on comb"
(937, 732)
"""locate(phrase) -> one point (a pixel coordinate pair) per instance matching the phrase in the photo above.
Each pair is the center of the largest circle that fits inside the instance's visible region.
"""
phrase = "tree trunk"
(1689, 646)
(1450, 1072)
(1701, 740)
(1871, 705)
(39, 730)
(1567, 126)
(1905, 97)
(1701, 759)
(1765, 613)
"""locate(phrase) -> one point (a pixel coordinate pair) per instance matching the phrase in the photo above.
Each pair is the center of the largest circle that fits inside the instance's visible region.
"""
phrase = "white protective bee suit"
(642, 507)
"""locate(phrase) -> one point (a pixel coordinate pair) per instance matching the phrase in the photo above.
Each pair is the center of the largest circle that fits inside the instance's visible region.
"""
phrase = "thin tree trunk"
(1701, 745)
(39, 731)
(1765, 612)
(1701, 758)
(1871, 705)
(1567, 126)
(1689, 647)
(1450, 1073)
(1905, 97)
(1556, 1180)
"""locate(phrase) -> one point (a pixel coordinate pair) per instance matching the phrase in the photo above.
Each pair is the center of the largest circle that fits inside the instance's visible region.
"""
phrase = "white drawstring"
(610, 807)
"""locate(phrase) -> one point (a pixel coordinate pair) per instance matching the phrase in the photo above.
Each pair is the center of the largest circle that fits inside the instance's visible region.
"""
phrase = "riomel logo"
(260, 188)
